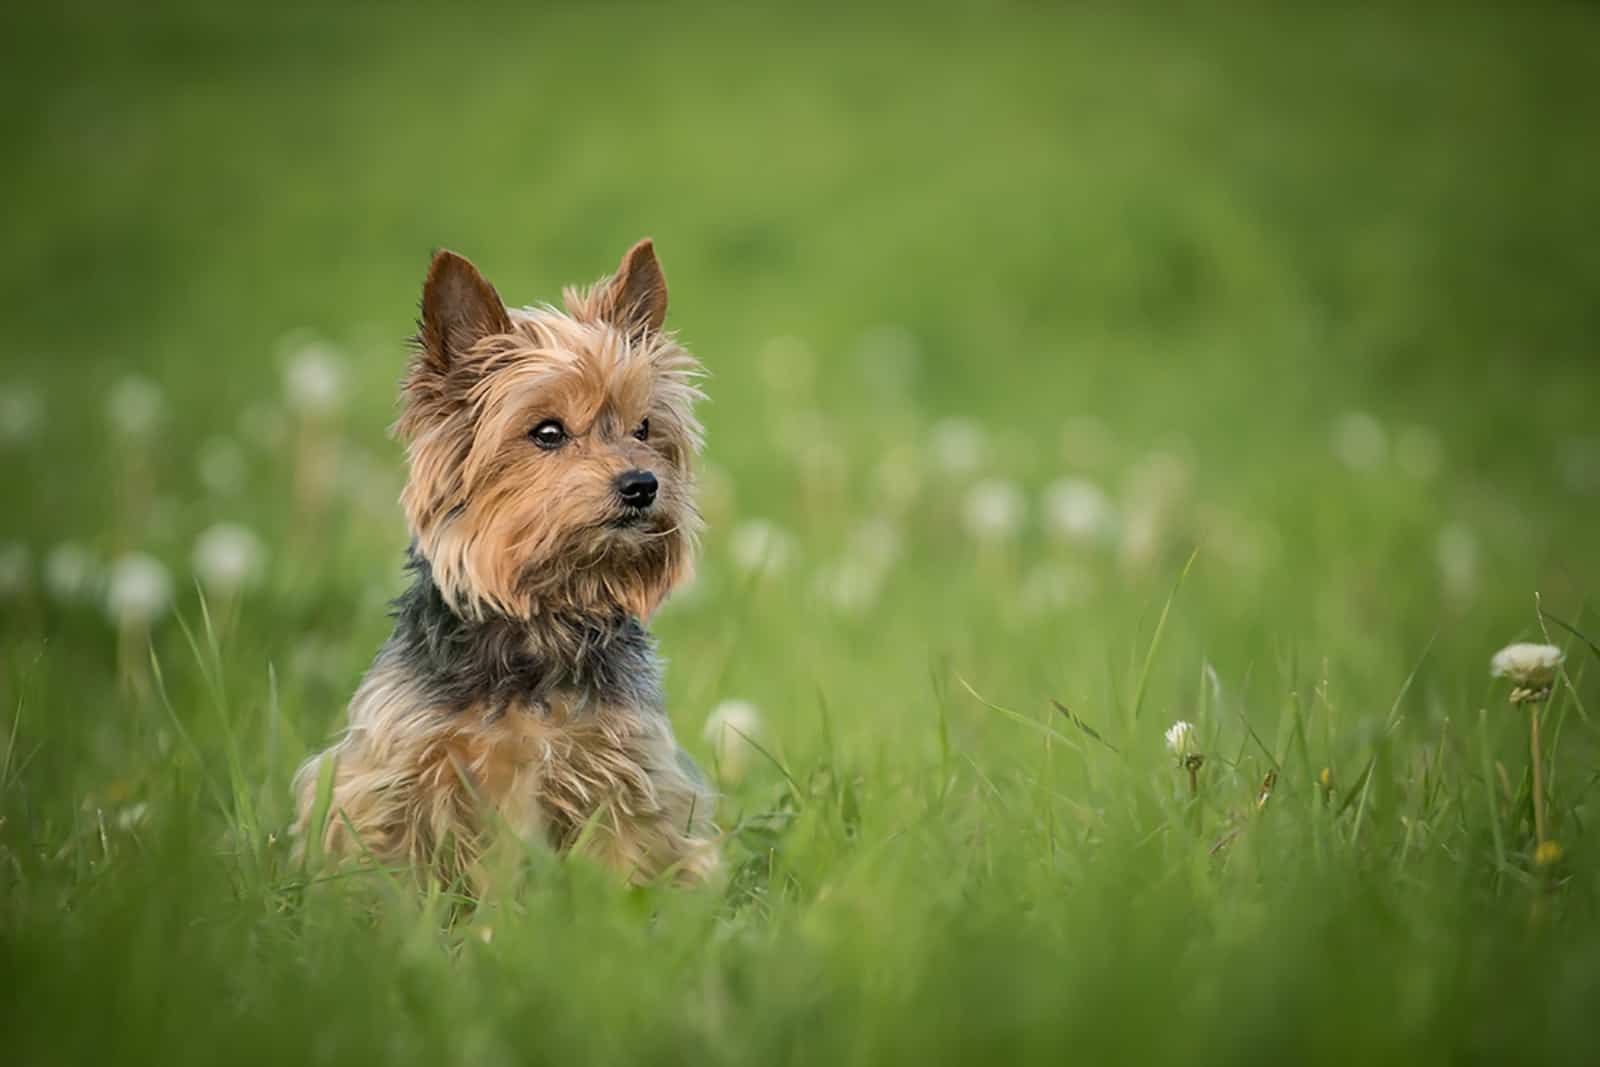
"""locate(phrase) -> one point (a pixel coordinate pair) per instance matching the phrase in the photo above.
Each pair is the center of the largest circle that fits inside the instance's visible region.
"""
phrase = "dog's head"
(550, 452)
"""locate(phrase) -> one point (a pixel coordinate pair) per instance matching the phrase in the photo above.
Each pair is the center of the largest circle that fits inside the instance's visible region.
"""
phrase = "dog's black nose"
(637, 488)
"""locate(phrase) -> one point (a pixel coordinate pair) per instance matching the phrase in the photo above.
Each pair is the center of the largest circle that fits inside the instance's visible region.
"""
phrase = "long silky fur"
(520, 691)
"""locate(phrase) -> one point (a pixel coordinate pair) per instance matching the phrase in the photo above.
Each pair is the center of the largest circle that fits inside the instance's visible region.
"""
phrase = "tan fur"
(428, 788)
(513, 532)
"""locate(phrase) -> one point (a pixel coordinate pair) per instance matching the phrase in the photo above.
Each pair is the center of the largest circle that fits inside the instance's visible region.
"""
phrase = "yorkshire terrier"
(550, 502)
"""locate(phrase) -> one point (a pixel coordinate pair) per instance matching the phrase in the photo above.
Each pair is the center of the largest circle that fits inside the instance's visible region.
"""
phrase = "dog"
(550, 503)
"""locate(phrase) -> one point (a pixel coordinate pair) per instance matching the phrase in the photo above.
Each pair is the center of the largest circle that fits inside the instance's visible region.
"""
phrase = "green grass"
(1167, 253)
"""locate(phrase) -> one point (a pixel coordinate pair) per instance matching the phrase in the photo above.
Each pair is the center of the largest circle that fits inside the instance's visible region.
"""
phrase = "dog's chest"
(557, 762)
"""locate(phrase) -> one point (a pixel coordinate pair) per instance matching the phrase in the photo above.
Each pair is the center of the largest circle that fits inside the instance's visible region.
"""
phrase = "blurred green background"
(1008, 310)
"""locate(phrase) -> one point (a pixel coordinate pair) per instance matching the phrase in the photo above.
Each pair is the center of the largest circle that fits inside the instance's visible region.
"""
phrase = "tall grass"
(1307, 300)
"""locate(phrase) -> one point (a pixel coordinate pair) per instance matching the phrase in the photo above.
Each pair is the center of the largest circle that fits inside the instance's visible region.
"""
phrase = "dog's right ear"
(459, 309)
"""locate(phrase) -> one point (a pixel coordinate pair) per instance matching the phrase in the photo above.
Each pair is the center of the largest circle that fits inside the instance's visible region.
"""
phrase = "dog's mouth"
(630, 519)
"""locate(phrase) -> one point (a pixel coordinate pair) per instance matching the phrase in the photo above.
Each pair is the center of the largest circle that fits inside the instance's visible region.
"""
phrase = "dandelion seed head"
(313, 380)
(138, 590)
(228, 557)
(1528, 665)
(1182, 739)
(1457, 554)
(993, 510)
(1078, 511)
(71, 572)
(727, 729)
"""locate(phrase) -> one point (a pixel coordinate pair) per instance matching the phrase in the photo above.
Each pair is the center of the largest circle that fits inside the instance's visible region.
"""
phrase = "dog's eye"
(549, 434)
(642, 431)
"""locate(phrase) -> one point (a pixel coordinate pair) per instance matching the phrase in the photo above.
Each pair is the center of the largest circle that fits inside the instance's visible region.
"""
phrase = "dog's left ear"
(636, 297)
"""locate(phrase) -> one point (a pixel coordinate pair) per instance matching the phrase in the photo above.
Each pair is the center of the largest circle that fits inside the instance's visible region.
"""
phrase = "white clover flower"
(1457, 554)
(138, 590)
(21, 412)
(760, 547)
(313, 380)
(728, 729)
(134, 406)
(1078, 511)
(1183, 739)
(1359, 441)
(1527, 665)
(959, 445)
(14, 559)
(71, 572)
(994, 510)
(228, 557)
(1418, 452)
(221, 466)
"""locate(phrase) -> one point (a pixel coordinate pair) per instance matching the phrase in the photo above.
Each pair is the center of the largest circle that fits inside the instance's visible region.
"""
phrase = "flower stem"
(1539, 826)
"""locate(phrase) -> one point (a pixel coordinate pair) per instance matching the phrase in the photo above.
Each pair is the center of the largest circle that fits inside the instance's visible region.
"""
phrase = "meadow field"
(1070, 374)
